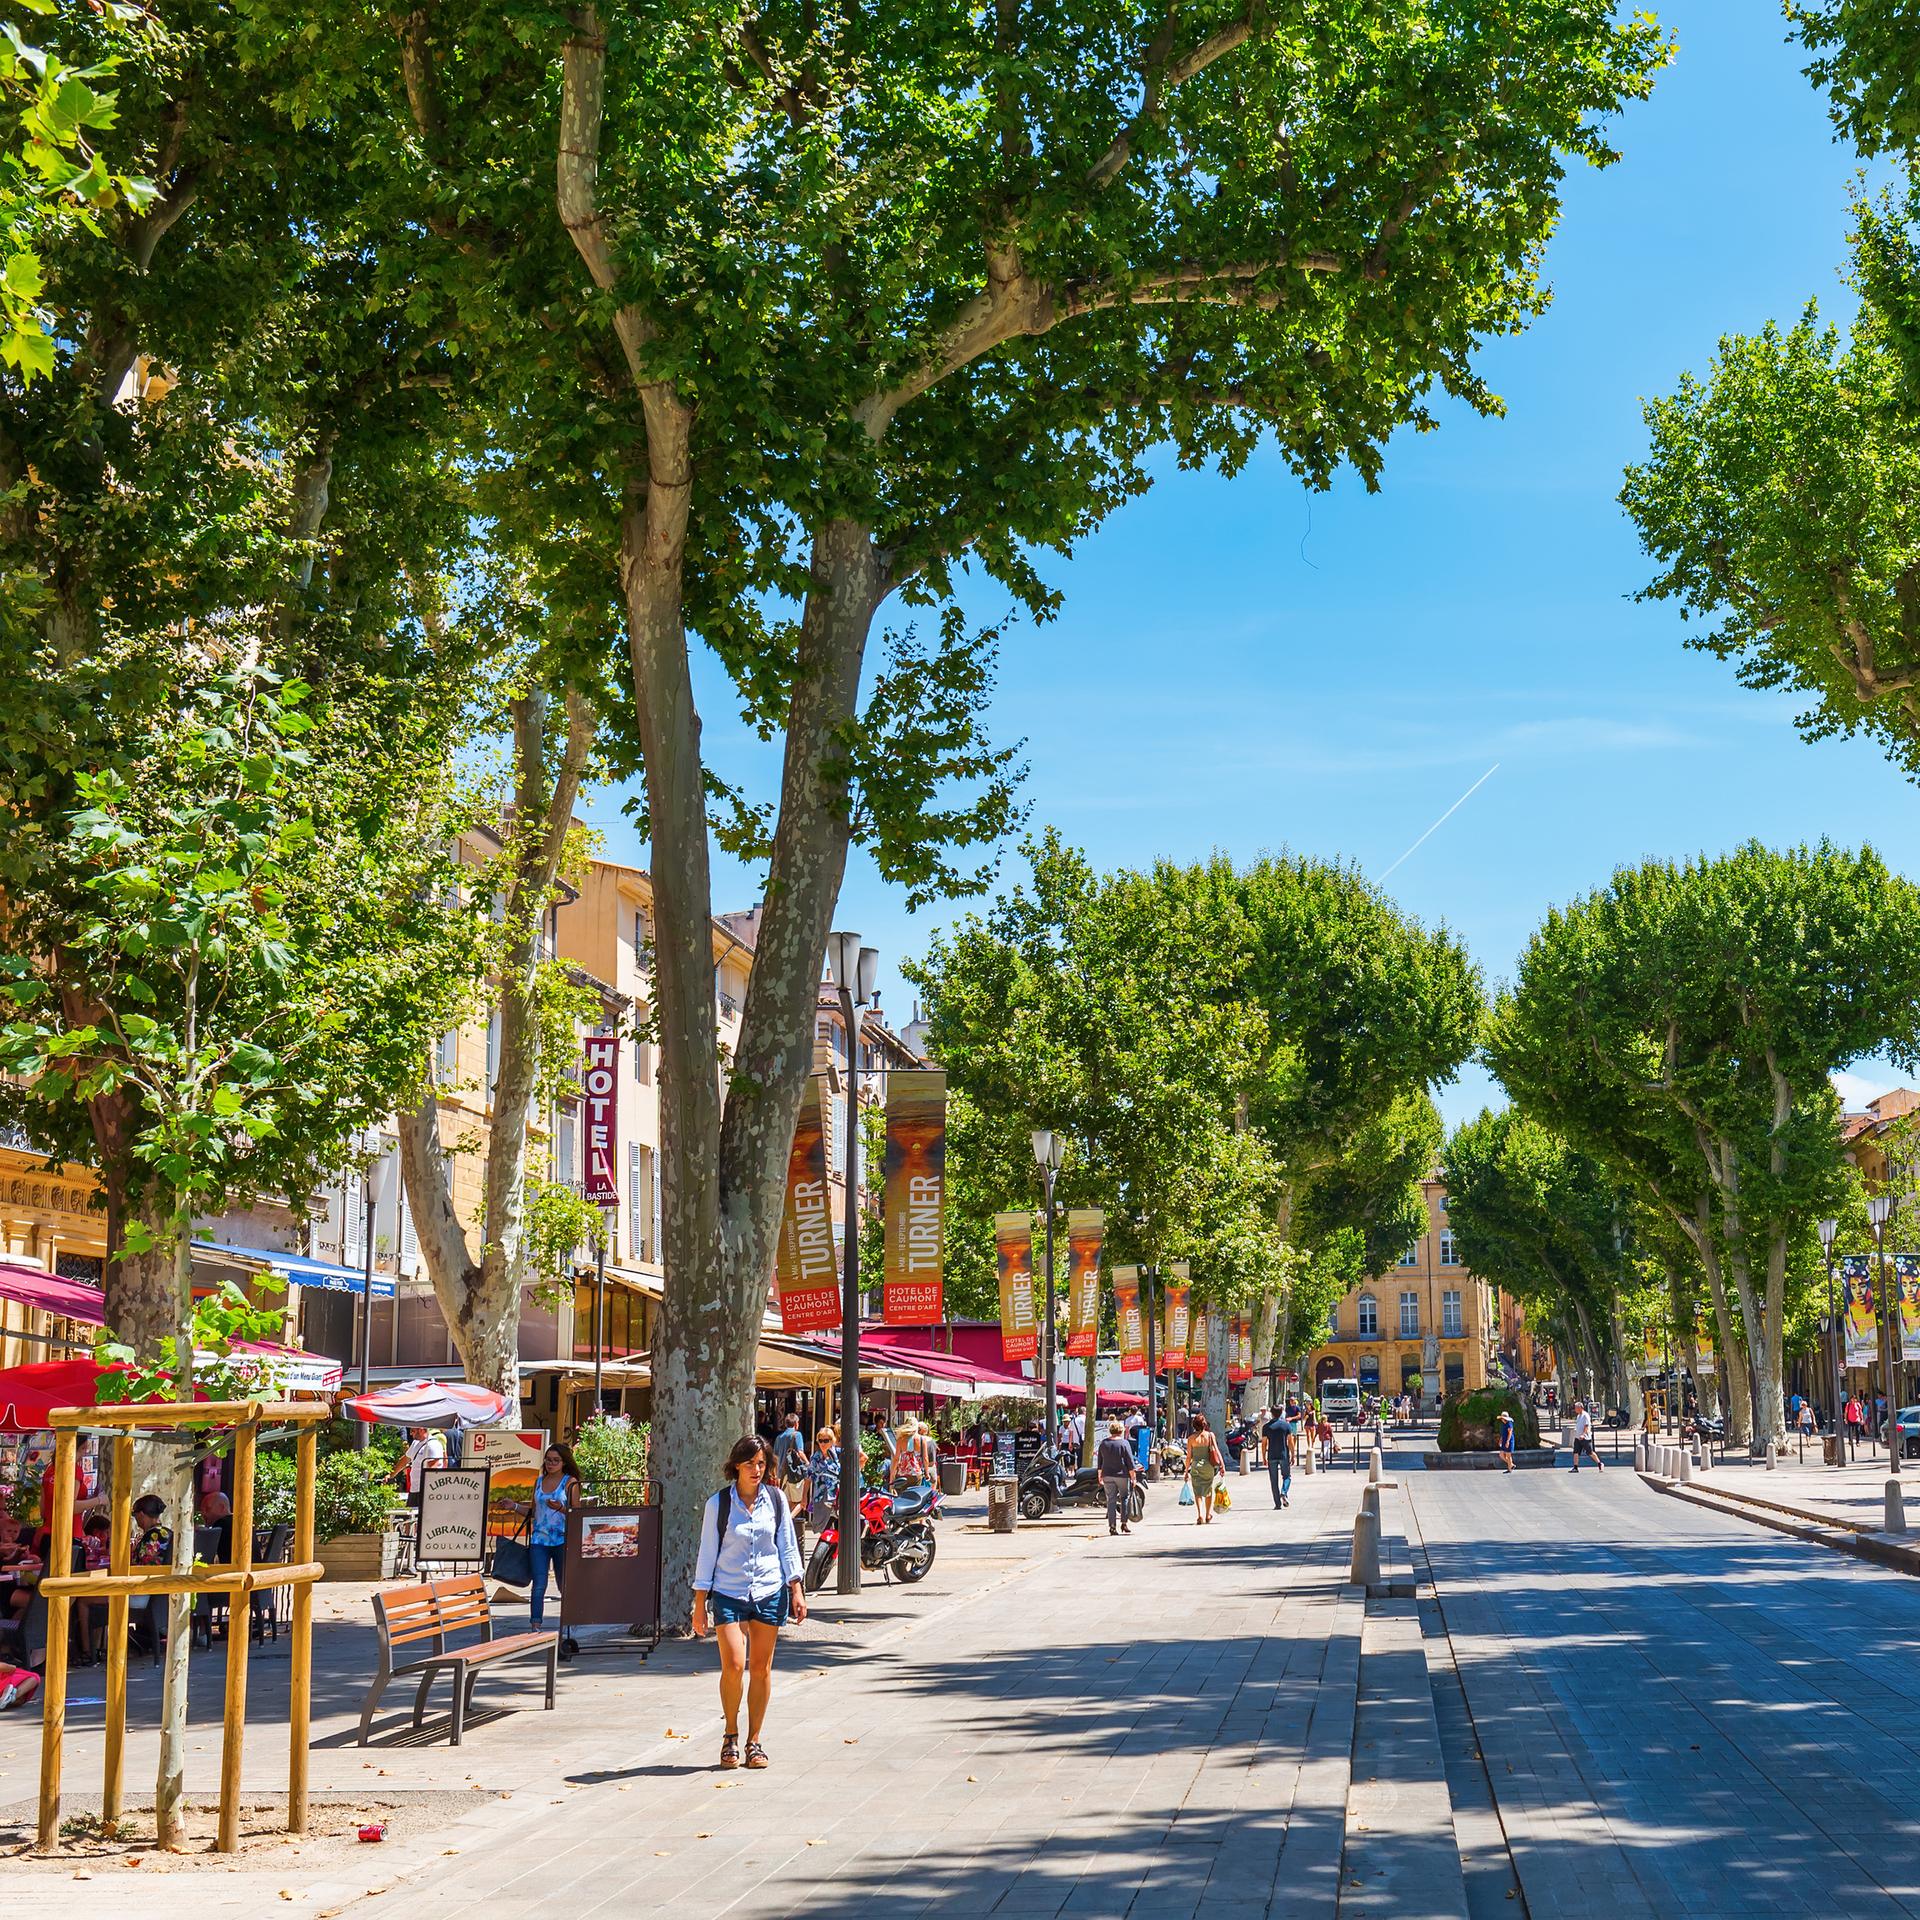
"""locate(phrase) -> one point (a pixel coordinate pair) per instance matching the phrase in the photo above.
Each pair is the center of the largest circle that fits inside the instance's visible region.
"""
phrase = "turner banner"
(1906, 1284)
(1086, 1228)
(1197, 1343)
(916, 1190)
(1173, 1335)
(1859, 1318)
(600, 1091)
(1013, 1245)
(806, 1271)
(1240, 1350)
(1133, 1329)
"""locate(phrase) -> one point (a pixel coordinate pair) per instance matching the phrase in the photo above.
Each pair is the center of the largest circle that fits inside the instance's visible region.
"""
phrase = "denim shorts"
(729, 1611)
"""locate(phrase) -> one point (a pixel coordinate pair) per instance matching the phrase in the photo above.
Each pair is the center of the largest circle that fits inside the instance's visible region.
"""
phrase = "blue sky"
(1244, 667)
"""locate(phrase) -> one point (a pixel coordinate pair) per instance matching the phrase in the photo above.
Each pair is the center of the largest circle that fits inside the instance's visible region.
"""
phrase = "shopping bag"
(512, 1563)
(1222, 1499)
(1186, 1493)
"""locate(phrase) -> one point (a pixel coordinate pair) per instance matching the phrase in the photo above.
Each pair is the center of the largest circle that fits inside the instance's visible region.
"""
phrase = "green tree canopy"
(1682, 1025)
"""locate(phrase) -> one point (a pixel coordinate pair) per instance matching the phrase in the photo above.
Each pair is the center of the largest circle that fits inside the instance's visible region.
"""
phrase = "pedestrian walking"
(1204, 1466)
(1117, 1469)
(1323, 1432)
(1856, 1419)
(823, 1476)
(1503, 1438)
(1583, 1438)
(908, 1469)
(555, 1495)
(1278, 1434)
(747, 1584)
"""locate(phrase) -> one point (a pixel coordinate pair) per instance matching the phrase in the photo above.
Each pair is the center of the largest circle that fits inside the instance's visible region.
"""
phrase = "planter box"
(359, 1556)
(1484, 1460)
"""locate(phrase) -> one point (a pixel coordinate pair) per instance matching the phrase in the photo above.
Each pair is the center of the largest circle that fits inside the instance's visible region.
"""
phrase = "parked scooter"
(1047, 1485)
(896, 1536)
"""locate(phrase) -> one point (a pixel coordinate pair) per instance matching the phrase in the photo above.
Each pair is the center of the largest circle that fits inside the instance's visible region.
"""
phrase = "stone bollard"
(1773, 1456)
(1246, 1456)
(1374, 1466)
(1639, 1453)
(1363, 1569)
(1309, 1460)
(1686, 1466)
(1896, 1506)
(1370, 1502)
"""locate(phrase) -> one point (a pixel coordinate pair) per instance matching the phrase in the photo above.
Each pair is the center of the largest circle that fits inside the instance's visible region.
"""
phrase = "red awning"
(1108, 1396)
(36, 1287)
(944, 1366)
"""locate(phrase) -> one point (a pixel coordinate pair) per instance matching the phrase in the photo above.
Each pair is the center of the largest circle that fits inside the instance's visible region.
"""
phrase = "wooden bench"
(405, 1616)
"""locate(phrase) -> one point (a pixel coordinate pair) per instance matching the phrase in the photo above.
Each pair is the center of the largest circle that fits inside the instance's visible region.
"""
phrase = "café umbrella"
(429, 1403)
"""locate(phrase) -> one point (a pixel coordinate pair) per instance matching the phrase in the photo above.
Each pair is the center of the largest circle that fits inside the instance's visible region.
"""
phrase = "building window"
(1450, 1320)
(1333, 1321)
(1409, 1314)
(1411, 1258)
(643, 1062)
(447, 1060)
(1449, 1253)
(493, 1051)
(1369, 1314)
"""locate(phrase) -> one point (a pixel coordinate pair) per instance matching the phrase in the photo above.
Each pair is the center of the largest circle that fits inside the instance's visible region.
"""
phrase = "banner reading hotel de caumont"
(805, 1267)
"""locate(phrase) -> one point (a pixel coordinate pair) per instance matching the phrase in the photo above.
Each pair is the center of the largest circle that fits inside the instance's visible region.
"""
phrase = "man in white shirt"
(1583, 1438)
(427, 1447)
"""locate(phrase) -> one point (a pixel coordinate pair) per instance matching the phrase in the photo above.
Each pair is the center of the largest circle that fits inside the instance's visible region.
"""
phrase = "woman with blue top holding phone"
(555, 1495)
(747, 1583)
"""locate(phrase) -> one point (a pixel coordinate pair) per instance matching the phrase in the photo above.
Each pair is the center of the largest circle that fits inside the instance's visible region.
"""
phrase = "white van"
(1340, 1401)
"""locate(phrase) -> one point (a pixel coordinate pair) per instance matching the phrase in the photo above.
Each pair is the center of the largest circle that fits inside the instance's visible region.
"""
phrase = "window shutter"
(655, 1244)
(636, 1229)
(353, 1222)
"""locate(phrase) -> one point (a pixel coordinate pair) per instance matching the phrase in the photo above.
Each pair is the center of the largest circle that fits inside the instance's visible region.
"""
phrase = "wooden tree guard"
(239, 1580)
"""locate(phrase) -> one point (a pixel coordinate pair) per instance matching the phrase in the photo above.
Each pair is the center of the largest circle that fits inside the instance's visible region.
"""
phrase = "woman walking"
(555, 1495)
(747, 1582)
(1204, 1466)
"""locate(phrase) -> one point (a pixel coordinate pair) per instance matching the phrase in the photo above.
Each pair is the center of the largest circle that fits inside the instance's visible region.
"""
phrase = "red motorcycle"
(896, 1536)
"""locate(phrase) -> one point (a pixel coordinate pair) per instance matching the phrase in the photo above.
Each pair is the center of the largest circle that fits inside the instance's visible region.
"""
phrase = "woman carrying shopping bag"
(1204, 1467)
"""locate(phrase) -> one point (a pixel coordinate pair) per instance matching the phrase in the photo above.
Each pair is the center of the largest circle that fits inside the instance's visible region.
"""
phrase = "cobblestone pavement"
(1681, 1714)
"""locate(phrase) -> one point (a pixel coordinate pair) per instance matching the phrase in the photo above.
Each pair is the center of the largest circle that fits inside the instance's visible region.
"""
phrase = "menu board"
(613, 1568)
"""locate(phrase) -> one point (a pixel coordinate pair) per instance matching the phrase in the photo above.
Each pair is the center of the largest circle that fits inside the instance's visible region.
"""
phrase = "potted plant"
(353, 1498)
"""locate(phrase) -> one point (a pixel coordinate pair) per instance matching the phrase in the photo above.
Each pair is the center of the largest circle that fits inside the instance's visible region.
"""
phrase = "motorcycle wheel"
(914, 1561)
(818, 1563)
(1033, 1504)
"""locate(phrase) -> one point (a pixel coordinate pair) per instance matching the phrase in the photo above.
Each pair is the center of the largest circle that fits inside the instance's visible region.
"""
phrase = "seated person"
(152, 1537)
(96, 1540)
(216, 1512)
(19, 1566)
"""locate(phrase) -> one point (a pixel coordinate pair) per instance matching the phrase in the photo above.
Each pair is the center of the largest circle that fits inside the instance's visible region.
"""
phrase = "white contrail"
(1445, 817)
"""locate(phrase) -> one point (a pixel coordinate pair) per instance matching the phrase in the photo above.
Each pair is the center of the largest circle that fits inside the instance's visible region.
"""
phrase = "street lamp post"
(373, 1179)
(855, 973)
(1049, 1153)
(1879, 1213)
(1147, 1277)
(1828, 1230)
